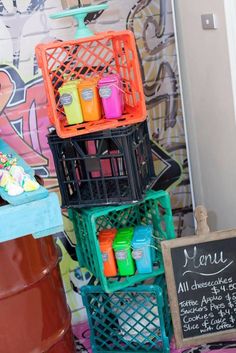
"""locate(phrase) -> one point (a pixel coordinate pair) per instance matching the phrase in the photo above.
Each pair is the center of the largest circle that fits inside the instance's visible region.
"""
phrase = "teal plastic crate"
(155, 209)
(136, 319)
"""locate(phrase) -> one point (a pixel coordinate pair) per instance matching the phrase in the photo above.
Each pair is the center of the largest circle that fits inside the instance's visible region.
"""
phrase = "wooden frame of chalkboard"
(201, 281)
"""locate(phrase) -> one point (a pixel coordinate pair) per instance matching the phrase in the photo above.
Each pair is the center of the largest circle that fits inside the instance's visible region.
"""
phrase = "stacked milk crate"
(104, 166)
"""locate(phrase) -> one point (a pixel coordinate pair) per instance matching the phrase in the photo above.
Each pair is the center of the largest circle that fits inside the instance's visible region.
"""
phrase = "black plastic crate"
(108, 167)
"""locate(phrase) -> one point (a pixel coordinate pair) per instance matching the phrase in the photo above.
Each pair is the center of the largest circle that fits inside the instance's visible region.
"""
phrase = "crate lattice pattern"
(133, 320)
(90, 59)
(155, 210)
(103, 168)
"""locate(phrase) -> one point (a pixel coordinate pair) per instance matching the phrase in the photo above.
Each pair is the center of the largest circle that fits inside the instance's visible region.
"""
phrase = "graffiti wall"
(23, 112)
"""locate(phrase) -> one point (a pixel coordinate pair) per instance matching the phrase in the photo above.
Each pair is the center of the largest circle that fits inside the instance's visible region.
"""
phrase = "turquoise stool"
(79, 15)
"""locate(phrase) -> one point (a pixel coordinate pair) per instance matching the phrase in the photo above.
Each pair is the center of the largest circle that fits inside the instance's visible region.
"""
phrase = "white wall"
(208, 71)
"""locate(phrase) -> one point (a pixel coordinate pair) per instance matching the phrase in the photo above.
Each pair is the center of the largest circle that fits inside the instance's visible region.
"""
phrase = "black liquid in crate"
(109, 167)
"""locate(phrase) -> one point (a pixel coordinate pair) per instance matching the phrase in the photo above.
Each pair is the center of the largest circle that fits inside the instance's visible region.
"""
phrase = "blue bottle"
(142, 251)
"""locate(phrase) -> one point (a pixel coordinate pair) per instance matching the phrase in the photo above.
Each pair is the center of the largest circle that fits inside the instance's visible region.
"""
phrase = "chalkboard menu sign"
(201, 281)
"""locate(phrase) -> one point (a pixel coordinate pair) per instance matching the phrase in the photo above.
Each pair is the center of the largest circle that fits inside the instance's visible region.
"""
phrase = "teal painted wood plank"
(49, 231)
(41, 218)
(25, 196)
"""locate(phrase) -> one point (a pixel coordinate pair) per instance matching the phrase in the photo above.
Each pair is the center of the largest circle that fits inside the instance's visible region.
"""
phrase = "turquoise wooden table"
(25, 197)
(36, 212)
(39, 218)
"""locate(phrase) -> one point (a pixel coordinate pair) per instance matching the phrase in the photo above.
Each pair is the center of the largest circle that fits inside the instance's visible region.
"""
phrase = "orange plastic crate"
(104, 53)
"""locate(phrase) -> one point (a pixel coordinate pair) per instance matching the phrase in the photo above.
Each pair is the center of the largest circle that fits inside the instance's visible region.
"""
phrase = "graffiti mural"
(25, 124)
(23, 107)
(24, 118)
(152, 23)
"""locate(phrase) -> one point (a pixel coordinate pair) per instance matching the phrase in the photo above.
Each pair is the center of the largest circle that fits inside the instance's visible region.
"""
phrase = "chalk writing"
(203, 261)
(205, 278)
(212, 311)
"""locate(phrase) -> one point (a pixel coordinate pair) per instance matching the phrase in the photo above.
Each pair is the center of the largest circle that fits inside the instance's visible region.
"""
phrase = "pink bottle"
(110, 91)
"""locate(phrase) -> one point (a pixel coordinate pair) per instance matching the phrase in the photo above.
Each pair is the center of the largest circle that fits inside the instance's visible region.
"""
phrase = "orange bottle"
(106, 237)
(107, 233)
(89, 99)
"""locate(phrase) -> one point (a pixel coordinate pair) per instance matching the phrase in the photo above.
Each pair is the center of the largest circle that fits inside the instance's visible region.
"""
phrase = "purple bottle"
(110, 91)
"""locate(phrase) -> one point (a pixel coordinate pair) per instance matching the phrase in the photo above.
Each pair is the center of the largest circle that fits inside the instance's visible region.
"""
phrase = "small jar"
(89, 99)
(69, 98)
(142, 248)
(122, 249)
(111, 94)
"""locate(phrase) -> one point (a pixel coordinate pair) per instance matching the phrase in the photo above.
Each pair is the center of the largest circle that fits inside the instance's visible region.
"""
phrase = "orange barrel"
(34, 317)
(89, 98)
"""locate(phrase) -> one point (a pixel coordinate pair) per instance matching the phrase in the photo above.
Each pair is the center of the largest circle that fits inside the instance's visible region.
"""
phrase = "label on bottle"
(137, 254)
(87, 94)
(66, 99)
(121, 255)
(105, 92)
(104, 256)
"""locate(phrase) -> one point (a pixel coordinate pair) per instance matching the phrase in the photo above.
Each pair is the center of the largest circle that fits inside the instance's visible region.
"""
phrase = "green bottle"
(123, 254)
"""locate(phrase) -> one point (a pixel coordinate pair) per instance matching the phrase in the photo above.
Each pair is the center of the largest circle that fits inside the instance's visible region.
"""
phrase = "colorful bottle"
(106, 238)
(141, 245)
(122, 248)
(69, 98)
(89, 99)
(107, 233)
(110, 91)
